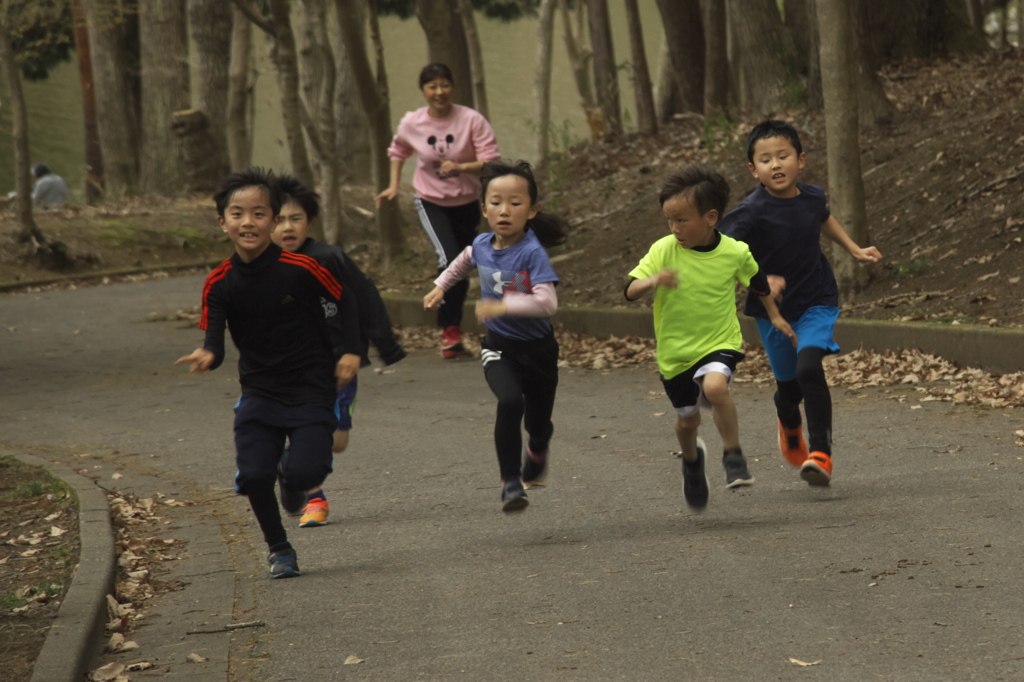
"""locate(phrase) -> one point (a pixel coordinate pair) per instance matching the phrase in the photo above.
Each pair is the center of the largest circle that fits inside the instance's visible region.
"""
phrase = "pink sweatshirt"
(462, 136)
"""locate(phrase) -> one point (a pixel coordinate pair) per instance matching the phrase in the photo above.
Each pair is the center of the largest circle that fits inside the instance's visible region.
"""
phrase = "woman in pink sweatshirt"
(451, 143)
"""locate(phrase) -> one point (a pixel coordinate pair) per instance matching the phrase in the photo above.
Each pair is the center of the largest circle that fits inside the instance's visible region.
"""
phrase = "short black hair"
(40, 169)
(251, 177)
(433, 71)
(769, 129)
(292, 190)
(551, 230)
(702, 185)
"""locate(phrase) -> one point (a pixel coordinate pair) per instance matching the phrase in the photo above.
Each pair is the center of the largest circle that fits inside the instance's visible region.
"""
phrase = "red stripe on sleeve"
(217, 275)
(322, 274)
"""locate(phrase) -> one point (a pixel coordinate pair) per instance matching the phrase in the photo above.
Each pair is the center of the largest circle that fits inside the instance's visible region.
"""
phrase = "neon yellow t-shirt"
(699, 316)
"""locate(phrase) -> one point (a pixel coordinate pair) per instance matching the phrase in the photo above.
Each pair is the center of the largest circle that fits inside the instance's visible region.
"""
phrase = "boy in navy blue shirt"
(276, 306)
(782, 221)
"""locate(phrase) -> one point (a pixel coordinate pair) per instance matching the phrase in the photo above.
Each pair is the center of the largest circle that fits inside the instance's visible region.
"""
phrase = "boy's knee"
(690, 421)
(716, 388)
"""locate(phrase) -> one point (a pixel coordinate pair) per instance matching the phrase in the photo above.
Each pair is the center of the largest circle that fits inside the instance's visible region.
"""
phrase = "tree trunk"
(716, 60)
(278, 27)
(646, 119)
(542, 78)
(53, 253)
(353, 130)
(191, 130)
(768, 69)
(976, 16)
(163, 37)
(446, 43)
(846, 184)
(579, 59)
(318, 80)
(606, 76)
(798, 19)
(114, 98)
(666, 93)
(684, 32)
(210, 21)
(240, 89)
(476, 58)
(919, 29)
(373, 92)
(875, 107)
(93, 151)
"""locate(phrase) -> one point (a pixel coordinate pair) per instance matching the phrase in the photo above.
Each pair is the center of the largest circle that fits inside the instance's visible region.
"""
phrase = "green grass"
(117, 233)
(42, 486)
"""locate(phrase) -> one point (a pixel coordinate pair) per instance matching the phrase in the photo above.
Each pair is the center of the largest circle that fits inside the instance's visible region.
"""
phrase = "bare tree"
(277, 25)
(163, 37)
(768, 70)
(318, 76)
(716, 60)
(580, 57)
(666, 93)
(542, 78)
(606, 77)
(240, 88)
(875, 107)
(476, 58)
(839, 87)
(93, 150)
(210, 21)
(29, 232)
(353, 128)
(373, 92)
(446, 43)
(115, 110)
(647, 120)
(685, 36)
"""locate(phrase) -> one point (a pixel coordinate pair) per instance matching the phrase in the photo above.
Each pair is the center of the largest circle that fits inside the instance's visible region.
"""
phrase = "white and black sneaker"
(736, 472)
(513, 496)
(695, 482)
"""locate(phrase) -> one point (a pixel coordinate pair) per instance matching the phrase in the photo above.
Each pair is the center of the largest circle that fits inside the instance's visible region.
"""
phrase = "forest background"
(174, 93)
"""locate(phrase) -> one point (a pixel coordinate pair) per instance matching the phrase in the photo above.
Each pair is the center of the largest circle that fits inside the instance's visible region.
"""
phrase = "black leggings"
(523, 375)
(810, 387)
(451, 229)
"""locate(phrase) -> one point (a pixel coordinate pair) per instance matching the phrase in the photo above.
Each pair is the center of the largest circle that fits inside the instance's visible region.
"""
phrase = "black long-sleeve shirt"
(374, 322)
(277, 309)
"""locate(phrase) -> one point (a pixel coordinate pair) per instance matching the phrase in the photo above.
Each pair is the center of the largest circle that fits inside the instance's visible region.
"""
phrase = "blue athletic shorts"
(813, 330)
(345, 405)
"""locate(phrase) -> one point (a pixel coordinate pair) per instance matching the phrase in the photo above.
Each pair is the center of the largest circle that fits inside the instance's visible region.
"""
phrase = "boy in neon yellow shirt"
(694, 271)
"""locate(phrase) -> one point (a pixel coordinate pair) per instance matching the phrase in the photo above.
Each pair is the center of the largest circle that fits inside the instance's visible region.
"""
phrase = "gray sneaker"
(695, 482)
(736, 473)
(284, 564)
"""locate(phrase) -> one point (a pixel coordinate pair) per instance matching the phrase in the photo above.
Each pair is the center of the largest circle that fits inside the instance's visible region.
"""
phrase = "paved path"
(908, 568)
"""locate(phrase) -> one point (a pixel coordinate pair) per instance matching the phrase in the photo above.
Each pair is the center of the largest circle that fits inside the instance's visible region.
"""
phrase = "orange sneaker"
(795, 456)
(817, 470)
(451, 342)
(315, 514)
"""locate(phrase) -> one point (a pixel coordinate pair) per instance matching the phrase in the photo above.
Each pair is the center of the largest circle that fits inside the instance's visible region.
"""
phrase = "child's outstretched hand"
(777, 284)
(667, 278)
(780, 323)
(347, 368)
(434, 299)
(490, 308)
(868, 254)
(200, 360)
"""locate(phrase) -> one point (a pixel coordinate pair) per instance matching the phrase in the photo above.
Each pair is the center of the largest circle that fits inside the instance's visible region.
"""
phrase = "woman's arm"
(392, 190)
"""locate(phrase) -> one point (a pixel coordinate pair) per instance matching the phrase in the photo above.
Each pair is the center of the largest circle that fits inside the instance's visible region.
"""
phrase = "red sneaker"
(817, 470)
(795, 456)
(451, 342)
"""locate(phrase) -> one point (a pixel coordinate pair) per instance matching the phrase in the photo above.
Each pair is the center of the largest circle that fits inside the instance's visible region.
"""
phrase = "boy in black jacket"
(300, 207)
(276, 305)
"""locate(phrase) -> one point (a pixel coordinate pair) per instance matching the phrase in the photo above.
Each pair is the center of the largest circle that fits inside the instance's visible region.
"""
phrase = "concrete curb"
(74, 640)
(994, 350)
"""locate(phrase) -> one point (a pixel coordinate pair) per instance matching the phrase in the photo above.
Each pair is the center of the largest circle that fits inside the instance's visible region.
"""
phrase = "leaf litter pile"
(930, 376)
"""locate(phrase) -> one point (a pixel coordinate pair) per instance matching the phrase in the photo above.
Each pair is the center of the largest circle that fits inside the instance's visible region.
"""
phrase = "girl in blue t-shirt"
(519, 353)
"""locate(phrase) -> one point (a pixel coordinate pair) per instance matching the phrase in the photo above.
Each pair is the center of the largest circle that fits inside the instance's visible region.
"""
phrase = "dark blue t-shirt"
(784, 237)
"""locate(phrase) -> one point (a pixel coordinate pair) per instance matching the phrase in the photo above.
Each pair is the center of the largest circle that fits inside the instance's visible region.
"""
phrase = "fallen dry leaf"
(107, 673)
(196, 658)
(352, 660)
(797, 661)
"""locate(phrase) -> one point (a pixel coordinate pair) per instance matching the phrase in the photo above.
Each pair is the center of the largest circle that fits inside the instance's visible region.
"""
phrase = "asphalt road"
(907, 568)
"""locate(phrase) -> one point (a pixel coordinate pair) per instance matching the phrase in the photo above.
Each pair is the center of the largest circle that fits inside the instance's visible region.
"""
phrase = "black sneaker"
(695, 483)
(513, 496)
(535, 466)
(736, 473)
(293, 500)
(284, 564)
